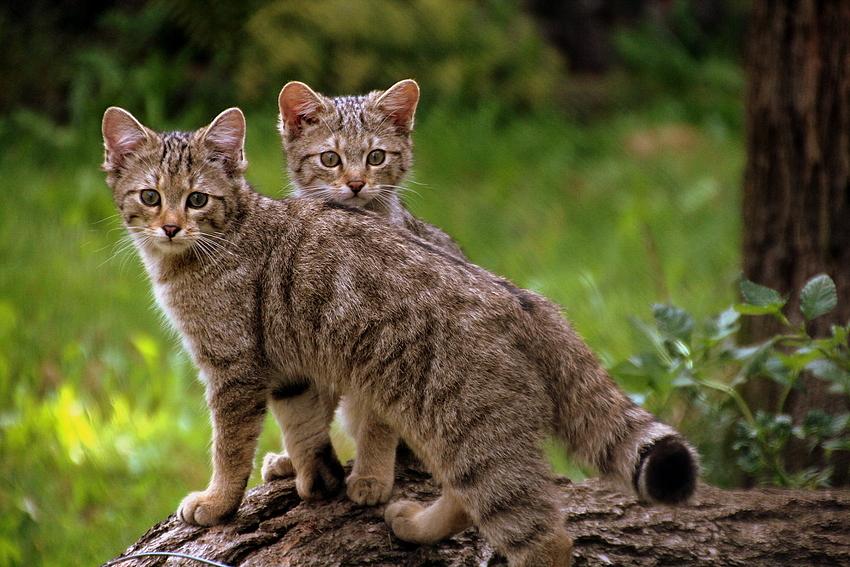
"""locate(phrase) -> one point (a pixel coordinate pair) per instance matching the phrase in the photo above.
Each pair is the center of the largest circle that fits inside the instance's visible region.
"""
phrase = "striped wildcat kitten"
(354, 150)
(471, 371)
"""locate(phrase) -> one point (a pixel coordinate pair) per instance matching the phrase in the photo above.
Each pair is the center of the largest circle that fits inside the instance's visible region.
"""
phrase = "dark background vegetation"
(592, 151)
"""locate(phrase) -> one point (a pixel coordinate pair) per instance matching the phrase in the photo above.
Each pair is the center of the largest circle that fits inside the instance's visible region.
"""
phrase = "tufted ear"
(122, 135)
(399, 102)
(297, 103)
(226, 136)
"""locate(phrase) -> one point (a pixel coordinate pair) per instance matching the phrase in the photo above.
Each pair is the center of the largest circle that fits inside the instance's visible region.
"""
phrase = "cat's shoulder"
(329, 211)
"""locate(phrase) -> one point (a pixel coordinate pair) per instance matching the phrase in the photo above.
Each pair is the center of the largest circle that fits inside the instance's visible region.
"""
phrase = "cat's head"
(175, 190)
(353, 149)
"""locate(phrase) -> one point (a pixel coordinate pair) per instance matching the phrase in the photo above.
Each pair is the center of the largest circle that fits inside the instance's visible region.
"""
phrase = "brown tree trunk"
(796, 208)
(767, 527)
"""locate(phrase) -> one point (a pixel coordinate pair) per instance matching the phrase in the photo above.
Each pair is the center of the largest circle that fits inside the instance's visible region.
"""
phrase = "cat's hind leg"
(413, 522)
(304, 414)
(516, 509)
(372, 477)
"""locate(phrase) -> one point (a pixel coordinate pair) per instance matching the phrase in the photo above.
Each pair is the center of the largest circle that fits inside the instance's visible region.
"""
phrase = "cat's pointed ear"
(226, 137)
(399, 103)
(122, 135)
(297, 102)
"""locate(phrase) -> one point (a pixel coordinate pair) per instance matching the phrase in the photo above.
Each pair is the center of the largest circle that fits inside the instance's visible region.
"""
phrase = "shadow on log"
(736, 527)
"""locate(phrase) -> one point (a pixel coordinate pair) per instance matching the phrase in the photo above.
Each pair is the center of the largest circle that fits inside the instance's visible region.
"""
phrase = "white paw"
(368, 490)
(277, 466)
(206, 508)
(400, 517)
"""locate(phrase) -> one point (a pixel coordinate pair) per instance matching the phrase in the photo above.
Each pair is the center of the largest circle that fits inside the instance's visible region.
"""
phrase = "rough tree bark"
(796, 207)
(767, 527)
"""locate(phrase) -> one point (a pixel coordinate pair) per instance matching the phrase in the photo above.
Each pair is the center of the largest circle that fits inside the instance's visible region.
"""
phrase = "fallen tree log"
(721, 527)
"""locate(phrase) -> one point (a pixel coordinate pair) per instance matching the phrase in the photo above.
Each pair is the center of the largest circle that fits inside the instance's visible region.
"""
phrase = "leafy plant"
(708, 367)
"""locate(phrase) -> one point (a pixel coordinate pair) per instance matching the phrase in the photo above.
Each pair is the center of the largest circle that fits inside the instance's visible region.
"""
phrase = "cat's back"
(432, 234)
(366, 253)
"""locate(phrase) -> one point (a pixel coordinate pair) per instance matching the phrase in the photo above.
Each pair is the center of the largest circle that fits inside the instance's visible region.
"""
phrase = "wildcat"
(354, 150)
(471, 371)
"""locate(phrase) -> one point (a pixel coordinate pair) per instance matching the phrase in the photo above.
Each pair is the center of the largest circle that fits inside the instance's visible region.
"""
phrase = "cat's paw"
(206, 508)
(400, 517)
(368, 490)
(320, 477)
(277, 466)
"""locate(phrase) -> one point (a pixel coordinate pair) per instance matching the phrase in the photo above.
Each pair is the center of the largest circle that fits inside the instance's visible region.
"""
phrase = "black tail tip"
(668, 471)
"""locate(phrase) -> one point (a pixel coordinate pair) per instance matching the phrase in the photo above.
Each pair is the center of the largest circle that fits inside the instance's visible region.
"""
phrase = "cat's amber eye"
(149, 197)
(197, 200)
(376, 157)
(330, 159)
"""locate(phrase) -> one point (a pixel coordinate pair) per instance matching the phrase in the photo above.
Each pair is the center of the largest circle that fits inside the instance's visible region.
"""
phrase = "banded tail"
(604, 428)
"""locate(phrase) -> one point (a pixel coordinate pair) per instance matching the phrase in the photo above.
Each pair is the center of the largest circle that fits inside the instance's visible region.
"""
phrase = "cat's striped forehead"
(353, 114)
(177, 153)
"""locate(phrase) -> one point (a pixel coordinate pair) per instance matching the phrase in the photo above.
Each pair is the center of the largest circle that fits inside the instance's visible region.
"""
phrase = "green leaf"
(796, 360)
(828, 370)
(778, 371)
(754, 364)
(684, 380)
(635, 375)
(724, 325)
(673, 322)
(818, 297)
(819, 425)
(760, 296)
(746, 309)
(653, 336)
(743, 353)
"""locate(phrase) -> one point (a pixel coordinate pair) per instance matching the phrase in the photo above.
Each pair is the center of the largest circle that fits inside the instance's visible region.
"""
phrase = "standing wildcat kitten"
(354, 150)
(470, 370)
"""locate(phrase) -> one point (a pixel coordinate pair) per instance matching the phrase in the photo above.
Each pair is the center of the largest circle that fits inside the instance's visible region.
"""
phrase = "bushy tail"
(666, 470)
(604, 428)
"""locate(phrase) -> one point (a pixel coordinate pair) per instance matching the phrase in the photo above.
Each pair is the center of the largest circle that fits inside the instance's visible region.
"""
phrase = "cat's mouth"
(166, 246)
(356, 200)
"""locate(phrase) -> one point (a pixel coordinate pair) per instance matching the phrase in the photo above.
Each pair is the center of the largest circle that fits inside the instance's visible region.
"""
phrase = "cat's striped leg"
(413, 522)
(304, 415)
(515, 506)
(372, 477)
(237, 401)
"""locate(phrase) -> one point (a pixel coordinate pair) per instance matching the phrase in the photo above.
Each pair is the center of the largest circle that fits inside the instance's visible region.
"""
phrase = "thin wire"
(165, 554)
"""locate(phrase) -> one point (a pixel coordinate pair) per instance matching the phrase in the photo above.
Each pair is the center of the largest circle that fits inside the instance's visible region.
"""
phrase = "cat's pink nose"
(355, 186)
(170, 230)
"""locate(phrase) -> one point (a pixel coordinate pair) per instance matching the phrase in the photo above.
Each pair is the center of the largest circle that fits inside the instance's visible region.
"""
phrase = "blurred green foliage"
(184, 59)
(463, 51)
(103, 427)
(700, 368)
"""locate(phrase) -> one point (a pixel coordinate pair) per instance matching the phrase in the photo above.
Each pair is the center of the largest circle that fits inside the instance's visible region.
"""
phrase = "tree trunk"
(796, 208)
(759, 527)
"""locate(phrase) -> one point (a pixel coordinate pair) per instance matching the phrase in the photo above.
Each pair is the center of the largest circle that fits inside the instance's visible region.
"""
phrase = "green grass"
(102, 424)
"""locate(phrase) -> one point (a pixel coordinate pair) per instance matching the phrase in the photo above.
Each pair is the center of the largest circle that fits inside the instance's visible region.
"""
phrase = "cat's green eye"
(329, 159)
(149, 197)
(376, 157)
(197, 200)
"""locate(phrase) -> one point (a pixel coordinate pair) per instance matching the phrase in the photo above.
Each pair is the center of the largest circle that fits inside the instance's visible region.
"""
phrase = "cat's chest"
(213, 320)
(163, 299)
(174, 305)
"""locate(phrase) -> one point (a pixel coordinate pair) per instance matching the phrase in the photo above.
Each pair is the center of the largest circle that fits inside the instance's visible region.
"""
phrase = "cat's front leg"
(237, 403)
(372, 477)
(304, 414)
